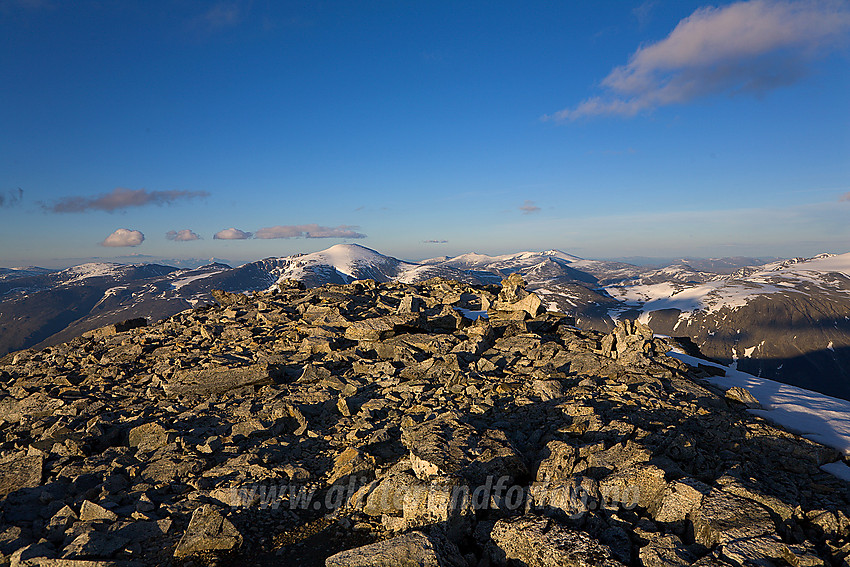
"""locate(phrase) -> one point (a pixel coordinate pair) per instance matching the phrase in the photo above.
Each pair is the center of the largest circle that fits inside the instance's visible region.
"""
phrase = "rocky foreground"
(380, 425)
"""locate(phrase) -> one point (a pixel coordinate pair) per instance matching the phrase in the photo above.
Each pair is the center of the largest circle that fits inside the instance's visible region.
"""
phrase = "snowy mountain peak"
(92, 270)
(561, 255)
(340, 263)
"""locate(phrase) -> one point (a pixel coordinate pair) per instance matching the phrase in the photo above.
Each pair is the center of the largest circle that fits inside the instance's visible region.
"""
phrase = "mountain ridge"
(811, 296)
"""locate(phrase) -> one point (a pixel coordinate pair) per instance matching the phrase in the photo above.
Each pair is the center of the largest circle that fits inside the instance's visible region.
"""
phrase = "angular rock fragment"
(208, 531)
(89, 511)
(446, 446)
(679, 500)
(94, 544)
(23, 472)
(379, 328)
(514, 298)
(742, 396)
(121, 327)
(388, 495)
(148, 436)
(640, 485)
(724, 518)
(665, 551)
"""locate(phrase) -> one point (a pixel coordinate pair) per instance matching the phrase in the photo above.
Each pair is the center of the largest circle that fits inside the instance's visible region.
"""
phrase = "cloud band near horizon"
(308, 231)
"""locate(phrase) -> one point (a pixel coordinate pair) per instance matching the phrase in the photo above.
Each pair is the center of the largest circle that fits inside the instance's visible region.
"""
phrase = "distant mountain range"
(786, 320)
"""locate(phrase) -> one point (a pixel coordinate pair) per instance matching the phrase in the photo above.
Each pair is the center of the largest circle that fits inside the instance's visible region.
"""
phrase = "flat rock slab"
(413, 549)
(537, 542)
(24, 472)
(378, 328)
(217, 380)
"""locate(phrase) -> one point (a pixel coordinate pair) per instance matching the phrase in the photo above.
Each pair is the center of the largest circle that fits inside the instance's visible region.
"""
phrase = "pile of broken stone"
(437, 424)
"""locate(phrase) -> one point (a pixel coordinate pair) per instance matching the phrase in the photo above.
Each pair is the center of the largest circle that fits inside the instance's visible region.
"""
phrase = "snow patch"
(177, 284)
(838, 469)
(813, 415)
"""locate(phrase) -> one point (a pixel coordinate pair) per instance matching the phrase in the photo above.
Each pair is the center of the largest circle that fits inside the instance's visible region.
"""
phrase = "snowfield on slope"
(738, 289)
(91, 270)
(818, 417)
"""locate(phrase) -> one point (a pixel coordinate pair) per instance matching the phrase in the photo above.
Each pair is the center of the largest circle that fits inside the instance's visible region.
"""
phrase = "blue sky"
(604, 129)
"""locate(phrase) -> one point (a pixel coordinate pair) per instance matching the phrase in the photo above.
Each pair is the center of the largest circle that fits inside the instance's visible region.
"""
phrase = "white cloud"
(124, 237)
(528, 207)
(308, 231)
(184, 235)
(231, 234)
(752, 47)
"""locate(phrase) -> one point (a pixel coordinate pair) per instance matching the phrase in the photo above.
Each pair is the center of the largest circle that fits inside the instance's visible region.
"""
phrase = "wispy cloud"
(118, 199)
(746, 47)
(643, 12)
(231, 234)
(184, 235)
(308, 231)
(528, 207)
(124, 237)
(25, 4)
(435, 241)
(11, 198)
(221, 15)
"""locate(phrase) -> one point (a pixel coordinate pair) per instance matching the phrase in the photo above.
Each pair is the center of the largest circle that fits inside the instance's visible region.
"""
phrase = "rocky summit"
(387, 424)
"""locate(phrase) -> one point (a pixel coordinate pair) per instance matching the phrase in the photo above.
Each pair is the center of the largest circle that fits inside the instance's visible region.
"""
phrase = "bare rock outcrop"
(438, 424)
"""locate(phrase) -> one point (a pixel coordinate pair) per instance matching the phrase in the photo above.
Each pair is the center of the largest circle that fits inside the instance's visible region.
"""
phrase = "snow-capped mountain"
(788, 320)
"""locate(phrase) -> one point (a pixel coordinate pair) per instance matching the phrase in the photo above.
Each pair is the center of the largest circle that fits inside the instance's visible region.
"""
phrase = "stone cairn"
(385, 424)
